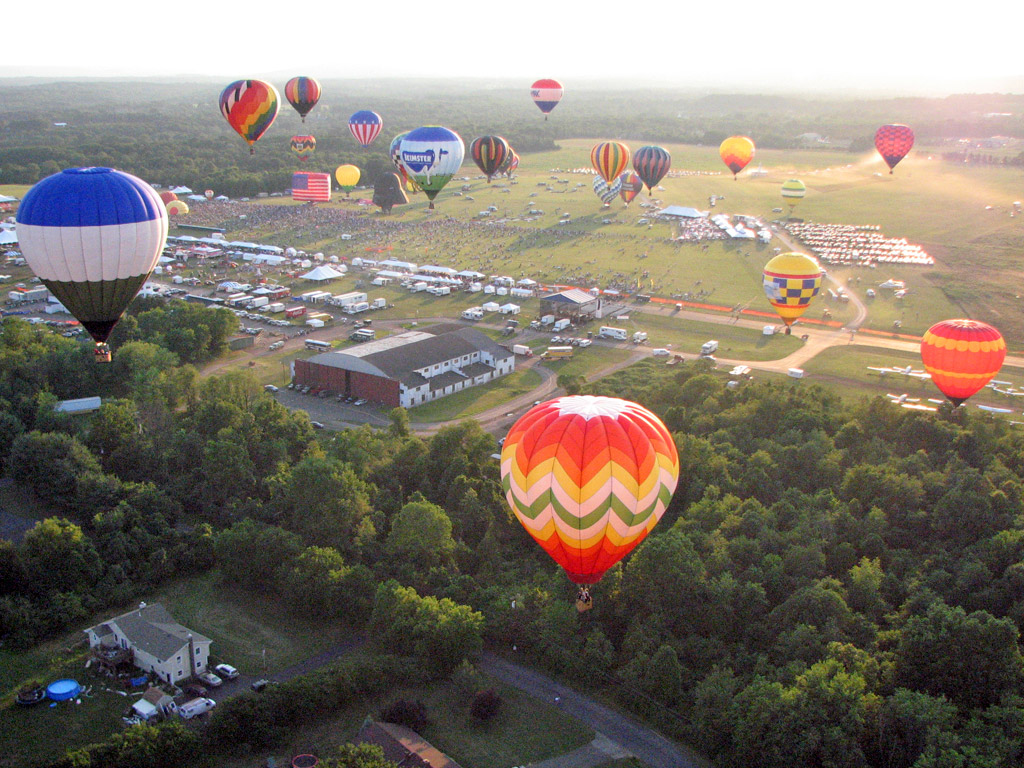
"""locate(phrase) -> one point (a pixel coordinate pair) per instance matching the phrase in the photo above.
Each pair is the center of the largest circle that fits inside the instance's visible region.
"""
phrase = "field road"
(653, 749)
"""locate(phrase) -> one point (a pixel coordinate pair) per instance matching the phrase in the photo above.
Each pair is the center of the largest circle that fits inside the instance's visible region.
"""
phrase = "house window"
(179, 659)
(181, 673)
(199, 665)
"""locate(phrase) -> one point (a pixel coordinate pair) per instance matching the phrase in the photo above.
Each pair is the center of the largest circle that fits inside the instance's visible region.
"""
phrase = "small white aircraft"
(908, 371)
(901, 399)
(991, 409)
(918, 407)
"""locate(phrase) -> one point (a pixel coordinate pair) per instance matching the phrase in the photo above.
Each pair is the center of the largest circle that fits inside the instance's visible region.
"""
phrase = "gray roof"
(445, 379)
(572, 296)
(397, 357)
(152, 629)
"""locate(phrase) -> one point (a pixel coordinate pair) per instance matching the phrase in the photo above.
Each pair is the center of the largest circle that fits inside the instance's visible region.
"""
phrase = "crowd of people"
(857, 245)
(697, 230)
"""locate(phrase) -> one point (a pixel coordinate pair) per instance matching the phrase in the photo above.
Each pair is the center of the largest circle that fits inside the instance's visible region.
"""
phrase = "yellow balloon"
(347, 176)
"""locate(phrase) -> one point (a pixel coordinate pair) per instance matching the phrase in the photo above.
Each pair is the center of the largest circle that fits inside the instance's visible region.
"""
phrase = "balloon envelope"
(365, 126)
(893, 142)
(546, 94)
(791, 280)
(609, 159)
(962, 356)
(93, 236)
(588, 477)
(793, 191)
(490, 153)
(736, 152)
(250, 107)
(630, 186)
(605, 191)
(303, 146)
(430, 156)
(177, 208)
(302, 93)
(651, 163)
(347, 177)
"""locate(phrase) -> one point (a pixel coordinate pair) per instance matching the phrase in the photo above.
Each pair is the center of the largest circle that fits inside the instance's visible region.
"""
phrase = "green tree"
(250, 552)
(421, 535)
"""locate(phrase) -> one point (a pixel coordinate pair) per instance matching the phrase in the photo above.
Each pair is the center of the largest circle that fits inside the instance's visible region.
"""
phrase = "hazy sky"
(868, 45)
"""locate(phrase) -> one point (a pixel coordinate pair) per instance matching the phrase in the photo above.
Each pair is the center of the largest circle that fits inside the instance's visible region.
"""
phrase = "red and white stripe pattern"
(311, 187)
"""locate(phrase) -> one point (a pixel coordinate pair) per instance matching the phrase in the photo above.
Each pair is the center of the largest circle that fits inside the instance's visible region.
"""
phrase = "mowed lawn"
(526, 730)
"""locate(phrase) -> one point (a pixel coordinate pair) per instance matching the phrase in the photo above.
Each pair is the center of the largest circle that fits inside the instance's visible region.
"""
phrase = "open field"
(938, 204)
(524, 731)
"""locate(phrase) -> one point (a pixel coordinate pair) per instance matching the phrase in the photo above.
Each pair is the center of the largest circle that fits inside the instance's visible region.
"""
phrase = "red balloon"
(893, 142)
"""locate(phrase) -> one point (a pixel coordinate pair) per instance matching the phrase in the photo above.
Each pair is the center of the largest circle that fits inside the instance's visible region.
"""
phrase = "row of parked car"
(571, 341)
(322, 393)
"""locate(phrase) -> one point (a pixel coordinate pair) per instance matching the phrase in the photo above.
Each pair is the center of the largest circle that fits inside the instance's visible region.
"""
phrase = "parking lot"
(331, 413)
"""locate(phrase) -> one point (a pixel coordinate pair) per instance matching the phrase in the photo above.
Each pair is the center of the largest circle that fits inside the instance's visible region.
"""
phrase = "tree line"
(832, 584)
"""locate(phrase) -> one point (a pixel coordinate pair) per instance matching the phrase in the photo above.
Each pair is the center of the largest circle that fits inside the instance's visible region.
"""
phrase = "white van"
(660, 352)
(796, 373)
(200, 706)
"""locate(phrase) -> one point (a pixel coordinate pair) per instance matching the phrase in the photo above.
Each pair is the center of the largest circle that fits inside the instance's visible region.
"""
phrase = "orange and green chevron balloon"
(962, 356)
(589, 477)
(736, 152)
(610, 159)
(250, 107)
(791, 280)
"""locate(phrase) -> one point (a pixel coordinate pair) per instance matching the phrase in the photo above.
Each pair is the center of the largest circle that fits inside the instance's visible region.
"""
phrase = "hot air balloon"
(208, 194)
(630, 186)
(430, 156)
(302, 93)
(736, 152)
(512, 165)
(347, 177)
(651, 163)
(395, 153)
(93, 236)
(303, 146)
(177, 208)
(893, 142)
(791, 280)
(605, 191)
(546, 95)
(588, 477)
(793, 192)
(609, 159)
(167, 196)
(489, 153)
(388, 192)
(365, 126)
(250, 107)
(962, 356)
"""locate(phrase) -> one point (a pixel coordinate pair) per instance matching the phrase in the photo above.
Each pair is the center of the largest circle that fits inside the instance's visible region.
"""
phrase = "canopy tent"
(8, 236)
(321, 273)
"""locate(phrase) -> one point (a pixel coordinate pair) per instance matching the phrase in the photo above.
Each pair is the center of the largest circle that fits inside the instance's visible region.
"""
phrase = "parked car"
(210, 679)
(317, 425)
(259, 685)
(195, 690)
(226, 671)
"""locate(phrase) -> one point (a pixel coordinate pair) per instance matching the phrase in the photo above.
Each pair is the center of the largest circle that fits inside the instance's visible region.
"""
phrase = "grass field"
(960, 214)
(524, 731)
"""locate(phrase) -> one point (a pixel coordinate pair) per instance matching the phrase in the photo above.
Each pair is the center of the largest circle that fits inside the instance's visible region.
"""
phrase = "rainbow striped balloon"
(250, 107)
(609, 159)
(589, 477)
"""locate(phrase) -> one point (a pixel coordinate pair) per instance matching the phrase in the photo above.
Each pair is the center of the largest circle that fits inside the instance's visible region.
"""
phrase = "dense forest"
(174, 133)
(833, 584)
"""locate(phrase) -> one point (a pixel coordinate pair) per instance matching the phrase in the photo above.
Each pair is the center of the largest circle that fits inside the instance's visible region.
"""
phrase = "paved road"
(614, 728)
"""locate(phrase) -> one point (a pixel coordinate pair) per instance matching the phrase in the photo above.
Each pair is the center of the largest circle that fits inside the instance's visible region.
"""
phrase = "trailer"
(708, 348)
(547, 319)
(561, 324)
(344, 299)
(379, 303)
(557, 353)
(356, 308)
(295, 312)
(522, 349)
(259, 301)
(607, 332)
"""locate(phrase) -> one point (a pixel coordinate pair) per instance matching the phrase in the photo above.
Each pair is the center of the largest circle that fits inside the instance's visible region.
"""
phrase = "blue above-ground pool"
(62, 690)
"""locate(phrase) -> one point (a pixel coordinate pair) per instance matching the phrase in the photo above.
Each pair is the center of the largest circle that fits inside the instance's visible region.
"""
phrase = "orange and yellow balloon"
(791, 280)
(610, 159)
(962, 356)
(589, 477)
(736, 152)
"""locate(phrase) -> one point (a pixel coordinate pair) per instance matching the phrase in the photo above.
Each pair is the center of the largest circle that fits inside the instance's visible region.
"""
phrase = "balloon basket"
(584, 605)
(101, 354)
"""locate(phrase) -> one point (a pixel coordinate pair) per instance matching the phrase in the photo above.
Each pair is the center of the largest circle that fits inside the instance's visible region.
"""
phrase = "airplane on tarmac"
(908, 371)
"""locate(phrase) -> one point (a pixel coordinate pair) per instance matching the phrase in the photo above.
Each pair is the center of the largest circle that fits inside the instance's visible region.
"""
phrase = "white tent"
(182, 191)
(196, 198)
(8, 236)
(322, 273)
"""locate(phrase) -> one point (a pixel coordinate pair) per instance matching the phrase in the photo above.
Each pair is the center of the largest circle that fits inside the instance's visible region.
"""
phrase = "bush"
(485, 704)
(411, 714)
